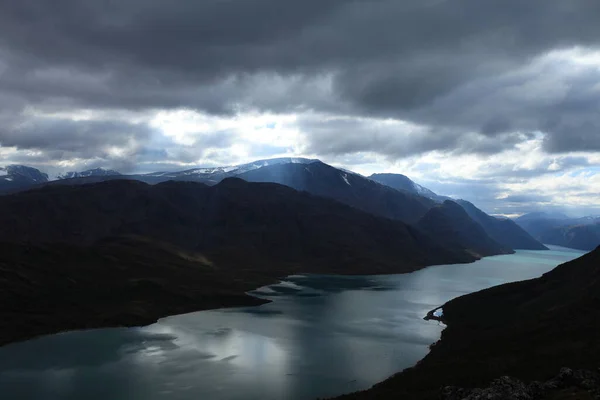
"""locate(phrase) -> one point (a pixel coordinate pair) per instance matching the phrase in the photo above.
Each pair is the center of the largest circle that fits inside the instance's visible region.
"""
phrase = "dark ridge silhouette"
(504, 231)
(508, 234)
(232, 220)
(365, 194)
(450, 224)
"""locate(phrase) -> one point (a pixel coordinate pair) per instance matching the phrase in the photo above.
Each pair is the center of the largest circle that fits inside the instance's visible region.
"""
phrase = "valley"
(98, 249)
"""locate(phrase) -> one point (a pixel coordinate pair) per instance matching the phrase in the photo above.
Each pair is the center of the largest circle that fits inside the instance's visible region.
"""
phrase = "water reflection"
(321, 336)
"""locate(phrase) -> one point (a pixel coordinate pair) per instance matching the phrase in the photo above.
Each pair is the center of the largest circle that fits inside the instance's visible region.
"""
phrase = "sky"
(495, 101)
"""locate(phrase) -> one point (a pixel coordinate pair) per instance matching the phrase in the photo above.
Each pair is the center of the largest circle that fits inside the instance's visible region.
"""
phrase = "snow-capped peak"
(232, 170)
(89, 172)
(22, 173)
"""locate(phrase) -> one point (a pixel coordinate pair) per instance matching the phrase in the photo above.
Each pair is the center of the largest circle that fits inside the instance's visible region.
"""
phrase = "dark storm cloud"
(338, 136)
(445, 65)
(84, 138)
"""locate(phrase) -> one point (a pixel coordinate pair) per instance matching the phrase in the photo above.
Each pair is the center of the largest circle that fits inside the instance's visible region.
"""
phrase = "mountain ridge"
(88, 173)
(561, 230)
(257, 219)
(404, 200)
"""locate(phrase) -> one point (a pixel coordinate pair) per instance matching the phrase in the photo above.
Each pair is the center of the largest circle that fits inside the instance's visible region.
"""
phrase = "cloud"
(153, 84)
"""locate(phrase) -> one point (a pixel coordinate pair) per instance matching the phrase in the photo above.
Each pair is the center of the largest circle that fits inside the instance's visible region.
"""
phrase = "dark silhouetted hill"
(450, 224)
(504, 231)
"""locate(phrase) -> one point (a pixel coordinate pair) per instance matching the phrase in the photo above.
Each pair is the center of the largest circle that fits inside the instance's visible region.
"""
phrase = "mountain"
(89, 173)
(558, 229)
(262, 224)
(324, 180)
(537, 223)
(16, 177)
(528, 330)
(541, 215)
(316, 178)
(209, 176)
(504, 231)
(404, 200)
(402, 182)
(366, 194)
(582, 237)
(217, 174)
(450, 224)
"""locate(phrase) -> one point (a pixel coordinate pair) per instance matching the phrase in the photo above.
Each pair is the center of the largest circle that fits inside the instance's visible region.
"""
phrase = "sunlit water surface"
(321, 336)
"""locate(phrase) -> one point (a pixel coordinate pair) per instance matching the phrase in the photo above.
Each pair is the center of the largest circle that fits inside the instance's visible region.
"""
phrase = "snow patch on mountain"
(345, 178)
(231, 170)
(88, 173)
(22, 173)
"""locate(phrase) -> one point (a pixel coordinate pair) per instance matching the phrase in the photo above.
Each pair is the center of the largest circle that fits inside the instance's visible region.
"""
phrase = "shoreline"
(527, 330)
(135, 318)
(85, 302)
(118, 321)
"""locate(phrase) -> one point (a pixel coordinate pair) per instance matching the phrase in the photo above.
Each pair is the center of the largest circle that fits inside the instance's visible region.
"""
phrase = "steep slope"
(402, 182)
(529, 330)
(450, 224)
(234, 220)
(503, 231)
(324, 180)
(19, 177)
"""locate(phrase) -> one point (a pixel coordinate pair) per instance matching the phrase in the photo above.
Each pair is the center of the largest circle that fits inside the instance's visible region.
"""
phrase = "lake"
(321, 336)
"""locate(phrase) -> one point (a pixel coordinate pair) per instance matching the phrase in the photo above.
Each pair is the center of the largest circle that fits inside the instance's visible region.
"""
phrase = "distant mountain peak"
(542, 215)
(219, 173)
(89, 172)
(23, 173)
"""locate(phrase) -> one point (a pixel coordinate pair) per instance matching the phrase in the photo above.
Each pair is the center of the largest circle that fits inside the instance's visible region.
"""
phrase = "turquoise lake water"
(321, 336)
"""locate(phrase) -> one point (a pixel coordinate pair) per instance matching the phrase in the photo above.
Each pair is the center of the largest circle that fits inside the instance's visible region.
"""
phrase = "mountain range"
(561, 230)
(261, 223)
(89, 173)
(20, 177)
(392, 196)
